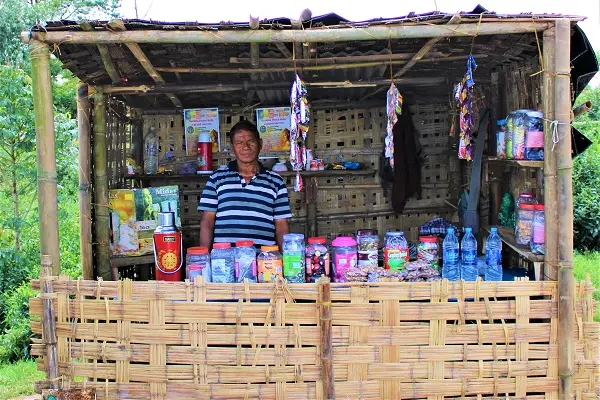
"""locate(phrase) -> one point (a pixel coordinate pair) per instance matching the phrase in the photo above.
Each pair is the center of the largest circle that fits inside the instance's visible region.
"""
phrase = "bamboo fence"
(175, 340)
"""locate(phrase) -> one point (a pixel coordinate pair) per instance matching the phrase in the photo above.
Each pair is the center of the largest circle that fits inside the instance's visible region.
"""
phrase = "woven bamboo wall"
(163, 340)
(118, 141)
(340, 135)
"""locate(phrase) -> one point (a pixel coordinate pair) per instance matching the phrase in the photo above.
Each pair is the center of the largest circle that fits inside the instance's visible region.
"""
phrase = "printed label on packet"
(395, 260)
(268, 270)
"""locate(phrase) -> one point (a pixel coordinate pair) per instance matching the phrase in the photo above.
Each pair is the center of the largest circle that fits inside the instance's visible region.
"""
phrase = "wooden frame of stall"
(558, 262)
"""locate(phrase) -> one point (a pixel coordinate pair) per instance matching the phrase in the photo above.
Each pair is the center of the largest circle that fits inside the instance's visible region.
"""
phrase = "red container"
(205, 160)
(168, 249)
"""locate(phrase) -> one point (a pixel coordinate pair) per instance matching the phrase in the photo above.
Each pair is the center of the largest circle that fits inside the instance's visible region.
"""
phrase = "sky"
(354, 10)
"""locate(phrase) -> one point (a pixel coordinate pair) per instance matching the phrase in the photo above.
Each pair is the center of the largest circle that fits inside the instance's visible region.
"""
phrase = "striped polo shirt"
(245, 211)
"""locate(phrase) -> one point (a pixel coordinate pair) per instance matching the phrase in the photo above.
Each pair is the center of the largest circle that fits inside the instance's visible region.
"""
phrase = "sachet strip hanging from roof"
(464, 96)
(394, 108)
(300, 119)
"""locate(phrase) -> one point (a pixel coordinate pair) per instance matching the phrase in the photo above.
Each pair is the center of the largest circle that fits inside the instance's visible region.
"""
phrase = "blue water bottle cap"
(494, 230)
(450, 230)
(468, 230)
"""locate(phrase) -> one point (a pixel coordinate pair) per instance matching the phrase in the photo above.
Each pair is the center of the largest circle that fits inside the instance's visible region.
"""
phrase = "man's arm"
(207, 226)
(281, 228)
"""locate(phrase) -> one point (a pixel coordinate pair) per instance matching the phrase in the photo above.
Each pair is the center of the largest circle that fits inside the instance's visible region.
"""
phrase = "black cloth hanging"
(407, 161)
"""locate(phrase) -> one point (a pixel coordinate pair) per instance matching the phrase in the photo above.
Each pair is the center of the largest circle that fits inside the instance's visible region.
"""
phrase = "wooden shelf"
(125, 261)
(507, 235)
(517, 163)
(326, 173)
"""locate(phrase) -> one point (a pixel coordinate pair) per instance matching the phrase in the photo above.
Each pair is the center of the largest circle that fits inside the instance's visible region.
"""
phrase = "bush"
(15, 340)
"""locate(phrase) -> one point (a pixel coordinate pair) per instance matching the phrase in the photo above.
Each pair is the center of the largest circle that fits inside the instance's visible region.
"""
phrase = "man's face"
(246, 146)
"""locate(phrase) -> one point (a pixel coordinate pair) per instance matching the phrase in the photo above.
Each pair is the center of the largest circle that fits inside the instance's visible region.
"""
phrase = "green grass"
(589, 264)
(17, 379)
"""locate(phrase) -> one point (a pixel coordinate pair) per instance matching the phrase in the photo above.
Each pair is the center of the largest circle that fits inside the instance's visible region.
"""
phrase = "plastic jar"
(395, 253)
(344, 257)
(245, 261)
(519, 135)
(534, 140)
(538, 229)
(501, 139)
(293, 257)
(428, 250)
(197, 263)
(368, 247)
(317, 259)
(526, 198)
(510, 133)
(222, 263)
(524, 224)
(270, 264)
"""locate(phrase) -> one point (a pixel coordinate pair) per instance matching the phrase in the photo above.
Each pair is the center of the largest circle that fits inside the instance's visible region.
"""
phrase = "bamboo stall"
(121, 334)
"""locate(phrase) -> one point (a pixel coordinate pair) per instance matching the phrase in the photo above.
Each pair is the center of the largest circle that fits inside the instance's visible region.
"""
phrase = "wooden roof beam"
(107, 60)
(118, 25)
(377, 32)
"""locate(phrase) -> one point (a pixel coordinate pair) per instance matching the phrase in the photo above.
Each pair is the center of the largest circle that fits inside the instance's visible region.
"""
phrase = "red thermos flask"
(204, 153)
(168, 249)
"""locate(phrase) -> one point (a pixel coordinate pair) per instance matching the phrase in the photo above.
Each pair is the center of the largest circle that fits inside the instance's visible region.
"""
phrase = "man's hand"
(281, 228)
(207, 226)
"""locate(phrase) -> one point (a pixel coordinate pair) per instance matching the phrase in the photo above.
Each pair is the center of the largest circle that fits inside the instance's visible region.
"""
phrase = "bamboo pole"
(333, 60)
(582, 109)
(49, 322)
(566, 283)
(326, 337)
(85, 203)
(43, 109)
(341, 34)
(249, 85)
(321, 66)
(101, 187)
(550, 190)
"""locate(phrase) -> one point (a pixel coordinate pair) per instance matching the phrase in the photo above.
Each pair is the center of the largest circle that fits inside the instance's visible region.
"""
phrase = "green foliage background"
(19, 232)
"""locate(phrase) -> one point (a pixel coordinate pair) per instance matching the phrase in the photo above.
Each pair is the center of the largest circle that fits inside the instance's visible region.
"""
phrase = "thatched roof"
(432, 75)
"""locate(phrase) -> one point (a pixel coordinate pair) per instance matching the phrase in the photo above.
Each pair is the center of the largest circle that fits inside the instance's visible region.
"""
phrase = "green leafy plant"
(15, 341)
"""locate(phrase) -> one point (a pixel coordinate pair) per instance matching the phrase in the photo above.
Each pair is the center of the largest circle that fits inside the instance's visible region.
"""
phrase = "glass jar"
(519, 134)
(428, 250)
(368, 247)
(293, 257)
(510, 133)
(534, 140)
(222, 263)
(197, 263)
(344, 257)
(501, 139)
(524, 224)
(395, 253)
(245, 261)
(317, 259)
(538, 230)
(270, 264)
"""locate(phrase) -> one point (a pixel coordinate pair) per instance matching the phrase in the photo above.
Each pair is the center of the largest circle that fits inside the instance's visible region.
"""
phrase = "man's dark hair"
(244, 125)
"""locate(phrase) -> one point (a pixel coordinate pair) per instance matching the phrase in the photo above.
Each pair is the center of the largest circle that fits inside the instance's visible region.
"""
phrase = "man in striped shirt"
(243, 200)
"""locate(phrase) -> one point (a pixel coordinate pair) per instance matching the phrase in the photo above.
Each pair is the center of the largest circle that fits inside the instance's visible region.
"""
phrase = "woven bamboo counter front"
(159, 340)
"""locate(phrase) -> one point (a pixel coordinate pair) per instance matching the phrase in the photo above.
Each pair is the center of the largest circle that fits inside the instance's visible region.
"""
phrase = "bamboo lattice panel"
(118, 142)
(340, 135)
(156, 340)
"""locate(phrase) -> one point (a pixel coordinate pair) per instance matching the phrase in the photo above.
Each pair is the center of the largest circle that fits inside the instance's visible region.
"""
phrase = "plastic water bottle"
(151, 152)
(451, 269)
(493, 256)
(468, 246)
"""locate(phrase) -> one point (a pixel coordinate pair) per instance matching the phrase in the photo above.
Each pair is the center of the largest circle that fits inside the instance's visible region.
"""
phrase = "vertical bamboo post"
(326, 347)
(48, 321)
(566, 286)
(85, 204)
(43, 109)
(101, 187)
(311, 207)
(550, 192)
